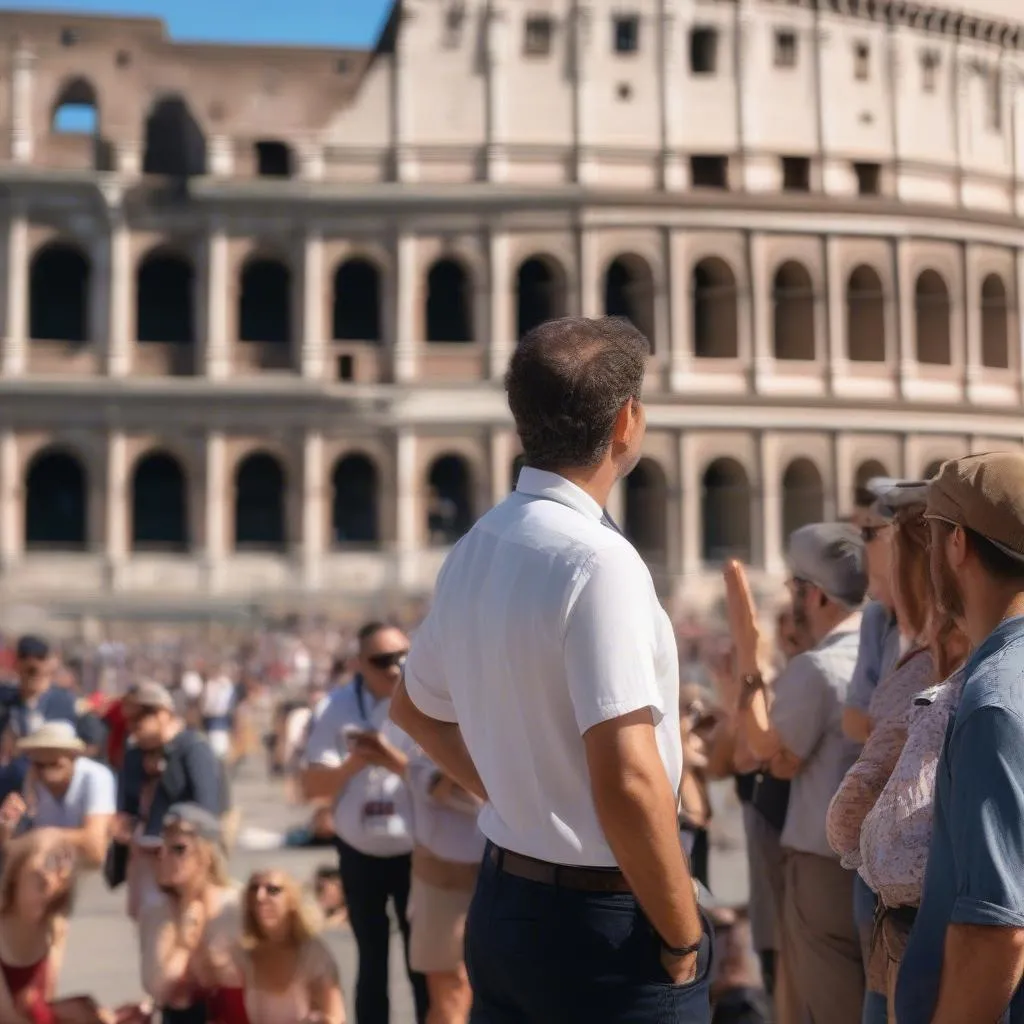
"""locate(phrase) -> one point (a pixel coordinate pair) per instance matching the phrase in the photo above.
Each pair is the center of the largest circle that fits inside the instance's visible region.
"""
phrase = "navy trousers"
(544, 954)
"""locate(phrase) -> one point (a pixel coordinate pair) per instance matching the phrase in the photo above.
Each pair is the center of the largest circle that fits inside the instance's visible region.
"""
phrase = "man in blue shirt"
(965, 957)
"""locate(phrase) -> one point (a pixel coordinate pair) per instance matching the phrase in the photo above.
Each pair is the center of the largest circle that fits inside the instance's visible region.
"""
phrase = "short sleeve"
(102, 795)
(611, 641)
(800, 711)
(322, 743)
(869, 660)
(425, 678)
(986, 815)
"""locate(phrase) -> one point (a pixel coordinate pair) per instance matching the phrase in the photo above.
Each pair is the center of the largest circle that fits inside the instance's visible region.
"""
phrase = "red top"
(226, 1006)
(27, 986)
(117, 733)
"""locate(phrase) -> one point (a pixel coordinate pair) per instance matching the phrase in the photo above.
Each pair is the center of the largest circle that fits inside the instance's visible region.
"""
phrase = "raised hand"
(742, 613)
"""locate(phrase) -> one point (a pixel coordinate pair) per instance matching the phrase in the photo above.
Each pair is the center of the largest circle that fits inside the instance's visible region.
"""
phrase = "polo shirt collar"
(538, 483)
(1007, 631)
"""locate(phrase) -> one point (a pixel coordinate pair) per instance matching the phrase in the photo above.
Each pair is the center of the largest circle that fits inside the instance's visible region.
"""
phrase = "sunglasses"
(255, 888)
(176, 849)
(391, 659)
(44, 766)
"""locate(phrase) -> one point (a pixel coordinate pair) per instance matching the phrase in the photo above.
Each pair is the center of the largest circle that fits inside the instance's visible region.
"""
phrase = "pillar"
(22, 135)
(221, 156)
(14, 357)
(10, 498)
(968, 314)
(497, 92)
(501, 464)
(772, 542)
(121, 285)
(907, 319)
(314, 512)
(690, 500)
(217, 353)
(843, 470)
(588, 275)
(407, 309)
(402, 85)
(501, 304)
(314, 344)
(217, 505)
(407, 525)
(835, 306)
(674, 171)
(680, 311)
(582, 35)
(761, 321)
(116, 524)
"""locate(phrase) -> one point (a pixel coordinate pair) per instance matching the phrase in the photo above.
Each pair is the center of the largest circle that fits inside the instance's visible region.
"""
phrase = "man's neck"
(831, 617)
(597, 481)
(991, 606)
(376, 693)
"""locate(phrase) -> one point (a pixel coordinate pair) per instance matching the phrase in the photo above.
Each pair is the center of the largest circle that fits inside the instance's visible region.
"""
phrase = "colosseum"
(257, 302)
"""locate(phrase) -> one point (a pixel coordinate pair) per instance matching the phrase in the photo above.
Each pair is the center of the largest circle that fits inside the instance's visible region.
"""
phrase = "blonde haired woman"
(283, 972)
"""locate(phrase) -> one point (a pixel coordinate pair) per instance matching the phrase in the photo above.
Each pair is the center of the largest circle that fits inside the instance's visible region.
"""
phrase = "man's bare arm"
(636, 807)
(982, 966)
(317, 781)
(441, 741)
(92, 839)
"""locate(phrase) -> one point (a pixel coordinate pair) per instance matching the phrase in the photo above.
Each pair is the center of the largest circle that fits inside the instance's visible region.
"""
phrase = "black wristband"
(682, 950)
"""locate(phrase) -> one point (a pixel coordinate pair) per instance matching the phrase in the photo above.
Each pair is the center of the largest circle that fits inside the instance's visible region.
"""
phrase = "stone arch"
(174, 142)
(274, 159)
(357, 301)
(355, 504)
(933, 319)
(159, 503)
(450, 501)
(540, 292)
(265, 301)
(629, 293)
(59, 278)
(715, 310)
(260, 520)
(645, 521)
(995, 323)
(793, 312)
(449, 312)
(165, 298)
(76, 109)
(864, 474)
(56, 501)
(865, 316)
(726, 512)
(803, 497)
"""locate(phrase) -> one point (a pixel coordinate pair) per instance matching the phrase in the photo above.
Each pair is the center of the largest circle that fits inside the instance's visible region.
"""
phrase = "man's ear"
(626, 421)
(956, 548)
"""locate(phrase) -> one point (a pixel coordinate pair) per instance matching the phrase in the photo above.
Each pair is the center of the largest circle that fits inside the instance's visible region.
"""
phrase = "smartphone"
(354, 733)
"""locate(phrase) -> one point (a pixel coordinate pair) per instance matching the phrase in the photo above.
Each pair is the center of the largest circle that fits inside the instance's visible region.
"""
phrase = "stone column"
(772, 541)
(311, 161)
(968, 313)
(221, 156)
(22, 135)
(217, 350)
(501, 304)
(407, 309)
(217, 505)
(907, 320)
(116, 524)
(314, 345)
(680, 312)
(674, 171)
(501, 464)
(843, 480)
(15, 341)
(402, 85)
(407, 525)
(690, 486)
(588, 275)
(497, 90)
(120, 340)
(835, 304)
(582, 35)
(763, 362)
(314, 513)
(10, 498)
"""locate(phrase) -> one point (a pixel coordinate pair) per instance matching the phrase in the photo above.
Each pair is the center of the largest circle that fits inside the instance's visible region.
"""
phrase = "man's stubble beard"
(948, 591)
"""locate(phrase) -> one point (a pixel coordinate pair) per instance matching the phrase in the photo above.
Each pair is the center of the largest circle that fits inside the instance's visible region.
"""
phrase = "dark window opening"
(357, 300)
(793, 306)
(785, 49)
(539, 294)
(865, 316)
(645, 521)
(709, 171)
(59, 294)
(449, 303)
(704, 51)
(715, 313)
(354, 508)
(265, 302)
(346, 367)
(803, 497)
(932, 313)
(259, 503)
(273, 160)
(159, 504)
(930, 61)
(629, 293)
(796, 174)
(627, 34)
(726, 513)
(861, 62)
(869, 179)
(76, 111)
(538, 36)
(164, 296)
(68, 37)
(56, 506)
(995, 323)
(175, 145)
(449, 503)
(624, 91)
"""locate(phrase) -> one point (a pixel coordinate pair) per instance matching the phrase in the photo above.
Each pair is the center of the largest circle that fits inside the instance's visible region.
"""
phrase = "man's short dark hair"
(567, 381)
(369, 629)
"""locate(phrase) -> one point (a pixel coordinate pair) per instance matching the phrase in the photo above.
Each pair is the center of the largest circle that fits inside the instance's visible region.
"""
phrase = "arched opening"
(449, 303)
(75, 111)
(715, 316)
(356, 301)
(164, 299)
(273, 159)
(995, 323)
(450, 504)
(260, 503)
(803, 497)
(159, 504)
(56, 502)
(517, 467)
(866, 472)
(793, 305)
(175, 145)
(540, 293)
(265, 302)
(725, 508)
(629, 293)
(646, 512)
(59, 294)
(865, 316)
(933, 468)
(354, 507)
(933, 315)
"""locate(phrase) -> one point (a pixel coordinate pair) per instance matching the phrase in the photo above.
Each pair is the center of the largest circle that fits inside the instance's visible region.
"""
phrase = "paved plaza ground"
(103, 958)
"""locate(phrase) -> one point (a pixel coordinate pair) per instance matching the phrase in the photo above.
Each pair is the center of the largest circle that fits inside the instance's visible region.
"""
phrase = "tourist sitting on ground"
(64, 790)
(284, 974)
(330, 895)
(187, 933)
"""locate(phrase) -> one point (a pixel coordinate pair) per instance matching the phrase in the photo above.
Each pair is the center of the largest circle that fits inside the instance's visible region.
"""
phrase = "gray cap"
(152, 695)
(831, 556)
(901, 494)
(193, 818)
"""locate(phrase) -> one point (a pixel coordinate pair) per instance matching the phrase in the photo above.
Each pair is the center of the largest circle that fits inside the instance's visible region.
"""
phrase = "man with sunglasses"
(357, 757)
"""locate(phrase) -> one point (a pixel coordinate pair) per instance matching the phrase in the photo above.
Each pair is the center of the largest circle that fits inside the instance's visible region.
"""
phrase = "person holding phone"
(358, 758)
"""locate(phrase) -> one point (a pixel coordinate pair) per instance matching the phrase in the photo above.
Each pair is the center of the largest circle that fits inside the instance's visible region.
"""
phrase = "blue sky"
(298, 22)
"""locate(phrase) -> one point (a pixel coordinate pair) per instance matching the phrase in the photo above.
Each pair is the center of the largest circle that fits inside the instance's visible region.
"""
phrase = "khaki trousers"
(821, 944)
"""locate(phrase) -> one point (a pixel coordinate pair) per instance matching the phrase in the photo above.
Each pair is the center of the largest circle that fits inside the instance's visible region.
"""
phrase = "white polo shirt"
(374, 813)
(92, 791)
(545, 623)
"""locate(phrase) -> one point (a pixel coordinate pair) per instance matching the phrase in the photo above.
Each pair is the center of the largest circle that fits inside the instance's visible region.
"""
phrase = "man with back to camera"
(545, 679)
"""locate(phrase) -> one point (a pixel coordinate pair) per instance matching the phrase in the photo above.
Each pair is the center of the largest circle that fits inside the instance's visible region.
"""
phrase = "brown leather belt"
(583, 879)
